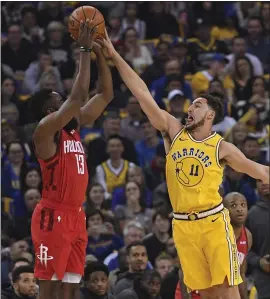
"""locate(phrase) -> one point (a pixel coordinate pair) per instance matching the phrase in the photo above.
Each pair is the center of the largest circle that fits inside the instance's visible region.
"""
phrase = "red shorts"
(60, 238)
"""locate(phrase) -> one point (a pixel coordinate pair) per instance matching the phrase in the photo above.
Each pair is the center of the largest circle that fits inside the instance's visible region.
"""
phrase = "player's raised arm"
(96, 105)
(160, 119)
(239, 162)
(71, 107)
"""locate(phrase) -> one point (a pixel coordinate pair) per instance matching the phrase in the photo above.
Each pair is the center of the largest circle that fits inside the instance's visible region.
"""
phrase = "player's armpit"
(239, 162)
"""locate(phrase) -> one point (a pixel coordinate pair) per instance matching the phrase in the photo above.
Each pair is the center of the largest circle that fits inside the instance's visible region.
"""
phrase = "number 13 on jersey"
(80, 163)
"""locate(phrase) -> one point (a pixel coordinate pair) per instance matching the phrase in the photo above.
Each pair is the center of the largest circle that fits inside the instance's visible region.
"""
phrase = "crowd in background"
(180, 49)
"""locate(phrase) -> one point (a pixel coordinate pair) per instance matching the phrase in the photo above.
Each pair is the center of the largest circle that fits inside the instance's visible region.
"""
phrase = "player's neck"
(162, 237)
(237, 231)
(201, 133)
(116, 162)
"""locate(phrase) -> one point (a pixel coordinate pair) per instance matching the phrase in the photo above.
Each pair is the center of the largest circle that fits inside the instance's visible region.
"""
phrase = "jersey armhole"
(174, 139)
(217, 152)
(57, 149)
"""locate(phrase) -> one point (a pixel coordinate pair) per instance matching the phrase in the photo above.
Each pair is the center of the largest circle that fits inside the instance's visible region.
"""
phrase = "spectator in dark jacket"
(96, 276)
(137, 262)
(258, 257)
(145, 287)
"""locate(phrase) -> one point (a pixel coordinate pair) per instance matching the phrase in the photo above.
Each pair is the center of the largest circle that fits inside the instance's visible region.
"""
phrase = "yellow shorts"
(207, 251)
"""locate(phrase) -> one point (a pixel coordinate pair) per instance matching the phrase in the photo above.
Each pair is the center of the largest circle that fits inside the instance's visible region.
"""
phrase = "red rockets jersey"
(242, 245)
(65, 175)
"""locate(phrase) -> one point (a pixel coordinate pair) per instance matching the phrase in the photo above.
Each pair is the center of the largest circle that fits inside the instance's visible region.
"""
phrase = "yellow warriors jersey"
(112, 179)
(193, 173)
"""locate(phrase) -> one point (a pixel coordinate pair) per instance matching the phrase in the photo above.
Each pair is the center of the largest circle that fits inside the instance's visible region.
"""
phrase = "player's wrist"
(86, 49)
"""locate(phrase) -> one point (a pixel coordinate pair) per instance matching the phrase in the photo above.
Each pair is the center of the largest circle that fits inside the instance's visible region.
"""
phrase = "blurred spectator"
(239, 49)
(235, 182)
(56, 43)
(137, 262)
(258, 257)
(159, 22)
(24, 284)
(133, 232)
(134, 174)
(172, 67)
(155, 171)
(163, 265)
(37, 70)
(31, 178)
(31, 31)
(102, 239)
(97, 148)
(134, 209)
(161, 198)
(243, 72)
(155, 242)
(244, 10)
(145, 287)
(52, 11)
(96, 200)
(137, 54)
(156, 69)
(10, 113)
(207, 10)
(130, 126)
(96, 280)
(131, 20)
(115, 29)
(265, 15)
(146, 149)
(22, 225)
(200, 81)
(177, 101)
(258, 44)
(17, 52)
(239, 134)
(112, 173)
(10, 14)
(203, 45)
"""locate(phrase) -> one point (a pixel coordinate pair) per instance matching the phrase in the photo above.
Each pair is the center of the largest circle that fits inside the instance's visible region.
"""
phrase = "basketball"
(81, 14)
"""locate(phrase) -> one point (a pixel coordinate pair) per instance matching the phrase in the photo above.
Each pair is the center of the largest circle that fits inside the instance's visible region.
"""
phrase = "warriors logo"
(189, 171)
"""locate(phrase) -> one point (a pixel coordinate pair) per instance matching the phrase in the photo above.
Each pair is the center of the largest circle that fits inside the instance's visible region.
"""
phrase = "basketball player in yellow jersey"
(202, 232)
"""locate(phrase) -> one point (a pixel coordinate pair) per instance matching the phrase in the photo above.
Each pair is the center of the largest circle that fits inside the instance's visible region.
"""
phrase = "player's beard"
(194, 126)
(71, 125)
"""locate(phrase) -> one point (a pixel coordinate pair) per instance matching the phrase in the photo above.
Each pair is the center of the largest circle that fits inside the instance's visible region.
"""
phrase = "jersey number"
(194, 170)
(80, 163)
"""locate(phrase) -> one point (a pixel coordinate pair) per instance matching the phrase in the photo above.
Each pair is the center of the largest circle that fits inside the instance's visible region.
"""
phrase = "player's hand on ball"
(96, 47)
(86, 33)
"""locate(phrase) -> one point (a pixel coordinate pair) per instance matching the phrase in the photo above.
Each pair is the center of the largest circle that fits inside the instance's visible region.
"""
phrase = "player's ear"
(211, 114)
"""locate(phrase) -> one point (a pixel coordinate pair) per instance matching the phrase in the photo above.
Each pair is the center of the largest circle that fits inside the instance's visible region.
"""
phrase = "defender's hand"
(86, 33)
(107, 44)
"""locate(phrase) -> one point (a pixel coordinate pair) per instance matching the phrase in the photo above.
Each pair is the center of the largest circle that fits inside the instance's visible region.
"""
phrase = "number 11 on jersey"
(80, 163)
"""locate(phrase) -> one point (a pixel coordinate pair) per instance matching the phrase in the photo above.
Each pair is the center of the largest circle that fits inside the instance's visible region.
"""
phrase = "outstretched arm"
(70, 108)
(96, 105)
(160, 119)
(239, 162)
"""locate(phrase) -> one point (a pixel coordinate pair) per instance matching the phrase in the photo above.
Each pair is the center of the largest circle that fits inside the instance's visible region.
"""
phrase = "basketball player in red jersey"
(236, 203)
(58, 223)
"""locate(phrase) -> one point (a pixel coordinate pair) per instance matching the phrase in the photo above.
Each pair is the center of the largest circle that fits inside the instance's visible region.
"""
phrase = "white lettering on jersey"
(71, 146)
(43, 255)
(241, 257)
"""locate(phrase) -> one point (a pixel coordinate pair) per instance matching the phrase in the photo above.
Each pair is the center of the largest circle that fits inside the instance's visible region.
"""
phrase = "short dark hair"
(95, 212)
(134, 244)
(19, 270)
(256, 18)
(95, 267)
(20, 259)
(250, 138)
(173, 77)
(160, 212)
(217, 105)
(28, 9)
(115, 136)
(149, 275)
(38, 103)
